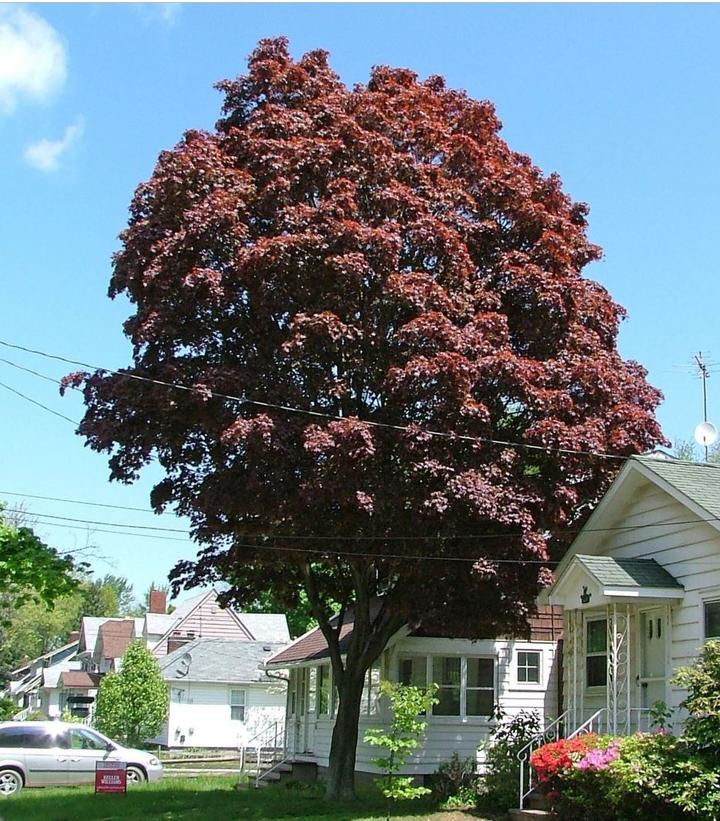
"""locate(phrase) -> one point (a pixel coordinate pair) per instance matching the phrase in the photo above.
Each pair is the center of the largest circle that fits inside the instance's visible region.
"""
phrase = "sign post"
(110, 776)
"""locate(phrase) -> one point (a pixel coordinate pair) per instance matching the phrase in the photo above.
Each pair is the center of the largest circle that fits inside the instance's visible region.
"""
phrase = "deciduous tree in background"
(133, 704)
(381, 256)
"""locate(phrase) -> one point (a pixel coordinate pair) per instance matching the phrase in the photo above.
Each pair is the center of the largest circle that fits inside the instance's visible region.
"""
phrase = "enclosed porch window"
(596, 653)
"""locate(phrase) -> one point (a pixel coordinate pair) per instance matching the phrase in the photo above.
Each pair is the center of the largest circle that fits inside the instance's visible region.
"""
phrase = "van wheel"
(135, 775)
(11, 782)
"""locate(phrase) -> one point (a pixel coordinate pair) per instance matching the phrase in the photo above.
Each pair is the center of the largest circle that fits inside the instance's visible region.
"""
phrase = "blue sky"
(622, 101)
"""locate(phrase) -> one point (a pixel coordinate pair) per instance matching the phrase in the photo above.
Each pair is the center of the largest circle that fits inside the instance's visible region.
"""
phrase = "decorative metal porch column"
(618, 669)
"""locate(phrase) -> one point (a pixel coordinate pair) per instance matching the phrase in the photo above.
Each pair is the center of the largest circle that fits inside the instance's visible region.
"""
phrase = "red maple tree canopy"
(376, 254)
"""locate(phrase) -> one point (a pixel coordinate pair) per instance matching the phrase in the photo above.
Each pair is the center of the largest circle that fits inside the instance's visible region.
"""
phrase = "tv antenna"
(706, 433)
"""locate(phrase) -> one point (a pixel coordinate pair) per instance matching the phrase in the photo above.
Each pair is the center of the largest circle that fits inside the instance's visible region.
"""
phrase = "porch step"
(529, 815)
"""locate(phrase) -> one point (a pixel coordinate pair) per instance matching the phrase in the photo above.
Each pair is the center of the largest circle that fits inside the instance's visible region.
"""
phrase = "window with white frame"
(178, 695)
(312, 690)
(413, 671)
(466, 684)
(323, 690)
(370, 702)
(446, 672)
(528, 666)
(480, 687)
(712, 619)
(237, 705)
(596, 653)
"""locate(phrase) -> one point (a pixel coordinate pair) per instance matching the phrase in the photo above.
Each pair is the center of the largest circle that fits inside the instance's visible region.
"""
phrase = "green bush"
(498, 788)
(8, 708)
(702, 681)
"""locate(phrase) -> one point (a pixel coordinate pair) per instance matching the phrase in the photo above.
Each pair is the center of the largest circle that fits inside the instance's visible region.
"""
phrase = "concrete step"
(529, 815)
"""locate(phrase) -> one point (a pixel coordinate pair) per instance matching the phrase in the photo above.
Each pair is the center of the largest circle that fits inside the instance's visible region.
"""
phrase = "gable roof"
(546, 626)
(628, 572)
(695, 485)
(219, 660)
(115, 636)
(266, 626)
(79, 678)
(697, 481)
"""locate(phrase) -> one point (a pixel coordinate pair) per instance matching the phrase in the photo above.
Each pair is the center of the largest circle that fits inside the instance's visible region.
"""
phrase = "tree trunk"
(343, 748)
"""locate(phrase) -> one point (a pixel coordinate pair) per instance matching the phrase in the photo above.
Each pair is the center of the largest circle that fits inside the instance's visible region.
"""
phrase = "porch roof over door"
(589, 581)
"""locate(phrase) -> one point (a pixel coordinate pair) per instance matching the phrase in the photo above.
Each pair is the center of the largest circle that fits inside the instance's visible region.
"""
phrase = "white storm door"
(653, 636)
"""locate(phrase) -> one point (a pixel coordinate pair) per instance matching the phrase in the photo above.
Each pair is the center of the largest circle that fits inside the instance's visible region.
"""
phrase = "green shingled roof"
(696, 480)
(628, 572)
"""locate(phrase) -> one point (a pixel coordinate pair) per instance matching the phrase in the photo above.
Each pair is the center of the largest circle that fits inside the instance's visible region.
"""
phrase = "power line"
(39, 404)
(30, 370)
(78, 502)
(307, 412)
(339, 537)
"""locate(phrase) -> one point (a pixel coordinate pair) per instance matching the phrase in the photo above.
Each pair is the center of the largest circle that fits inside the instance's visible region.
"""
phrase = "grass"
(205, 798)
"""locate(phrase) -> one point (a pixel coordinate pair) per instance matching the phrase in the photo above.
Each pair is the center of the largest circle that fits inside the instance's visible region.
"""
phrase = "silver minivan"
(54, 753)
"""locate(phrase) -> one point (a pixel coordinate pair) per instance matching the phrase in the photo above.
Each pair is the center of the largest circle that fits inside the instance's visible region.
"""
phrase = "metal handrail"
(587, 726)
(552, 732)
(266, 739)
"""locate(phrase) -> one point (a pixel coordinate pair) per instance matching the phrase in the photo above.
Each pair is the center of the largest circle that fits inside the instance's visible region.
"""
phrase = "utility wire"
(307, 412)
(359, 538)
(39, 404)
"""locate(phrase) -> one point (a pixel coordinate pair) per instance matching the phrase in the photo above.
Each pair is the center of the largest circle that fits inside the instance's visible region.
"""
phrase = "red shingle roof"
(115, 637)
(546, 626)
(79, 678)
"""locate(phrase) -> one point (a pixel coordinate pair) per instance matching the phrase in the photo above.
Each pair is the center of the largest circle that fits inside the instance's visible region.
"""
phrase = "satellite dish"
(706, 434)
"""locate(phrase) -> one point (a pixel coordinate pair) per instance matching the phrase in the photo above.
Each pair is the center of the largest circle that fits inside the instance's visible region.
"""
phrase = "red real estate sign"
(110, 776)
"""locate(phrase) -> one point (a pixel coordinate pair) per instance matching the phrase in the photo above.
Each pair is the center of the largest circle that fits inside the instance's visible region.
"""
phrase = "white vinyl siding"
(689, 551)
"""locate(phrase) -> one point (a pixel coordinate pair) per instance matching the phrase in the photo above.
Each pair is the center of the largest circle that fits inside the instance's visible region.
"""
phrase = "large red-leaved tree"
(378, 255)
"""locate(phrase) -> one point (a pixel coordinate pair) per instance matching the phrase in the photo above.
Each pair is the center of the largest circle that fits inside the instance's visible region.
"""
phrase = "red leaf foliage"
(379, 254)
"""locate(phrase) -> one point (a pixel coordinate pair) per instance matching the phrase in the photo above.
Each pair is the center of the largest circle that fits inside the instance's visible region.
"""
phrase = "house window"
(446, 674)
(237, 705)
(596, 653)
(413, 671)
(371, 692)
(312, 689)
(528, 667)
(712, 619)
(480, 690)
(323, 690)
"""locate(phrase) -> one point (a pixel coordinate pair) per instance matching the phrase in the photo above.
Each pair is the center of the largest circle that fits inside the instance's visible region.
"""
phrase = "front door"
(653, 632)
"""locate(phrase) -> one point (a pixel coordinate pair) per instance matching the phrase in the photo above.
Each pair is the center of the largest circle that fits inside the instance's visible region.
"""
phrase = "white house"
(640, 588)
(220, 694)
(474, 678)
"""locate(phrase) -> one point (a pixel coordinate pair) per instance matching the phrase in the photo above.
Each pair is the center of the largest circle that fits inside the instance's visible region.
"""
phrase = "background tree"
(687, 450)
(133, 704)
(29, 569)
(30, 628)
(376, 257)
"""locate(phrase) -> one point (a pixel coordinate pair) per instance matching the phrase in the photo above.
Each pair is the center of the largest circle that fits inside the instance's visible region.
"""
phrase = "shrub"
(702, 681)
(499, 786)
(455, 778)
(8, 708)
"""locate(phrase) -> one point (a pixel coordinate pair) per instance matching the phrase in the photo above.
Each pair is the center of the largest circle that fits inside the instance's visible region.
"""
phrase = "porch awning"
(589, 581)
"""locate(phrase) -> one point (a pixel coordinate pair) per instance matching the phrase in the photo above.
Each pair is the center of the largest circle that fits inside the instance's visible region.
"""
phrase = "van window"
(82, 739)
(32, 737)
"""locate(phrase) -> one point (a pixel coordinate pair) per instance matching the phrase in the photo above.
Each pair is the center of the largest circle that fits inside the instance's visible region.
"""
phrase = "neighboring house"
(66, 687)
(102, 643)
(203, 617)
(474, 678)
(640, 587)
(25, 682)
(220, 694)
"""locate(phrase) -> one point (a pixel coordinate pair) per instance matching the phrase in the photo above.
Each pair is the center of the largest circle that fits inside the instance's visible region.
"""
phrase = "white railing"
(639, 721)
(268, 747)
(22, 715)
(553, 732)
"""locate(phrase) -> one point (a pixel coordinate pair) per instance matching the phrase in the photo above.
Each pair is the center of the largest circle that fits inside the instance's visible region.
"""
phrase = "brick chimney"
(158, 601)
(74, 636)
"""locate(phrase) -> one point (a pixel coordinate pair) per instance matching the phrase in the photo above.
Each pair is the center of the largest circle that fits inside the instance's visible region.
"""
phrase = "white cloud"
(45, 154)
(164, 12)
(33, 62)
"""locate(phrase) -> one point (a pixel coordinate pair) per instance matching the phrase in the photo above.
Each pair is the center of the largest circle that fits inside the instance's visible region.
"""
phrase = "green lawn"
(205, 799)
